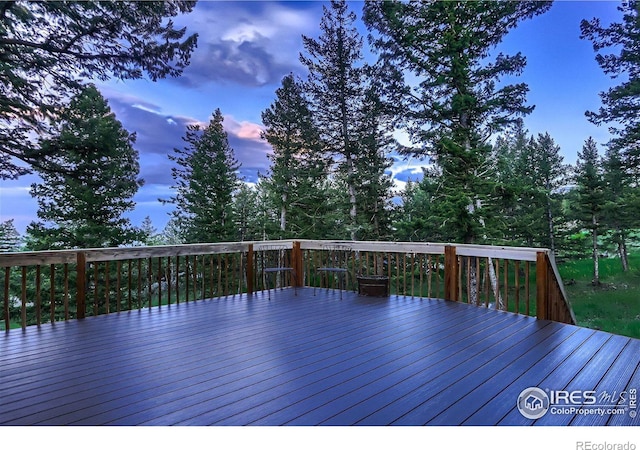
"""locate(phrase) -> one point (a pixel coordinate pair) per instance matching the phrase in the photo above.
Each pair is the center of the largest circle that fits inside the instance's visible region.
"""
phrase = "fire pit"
(373, 285)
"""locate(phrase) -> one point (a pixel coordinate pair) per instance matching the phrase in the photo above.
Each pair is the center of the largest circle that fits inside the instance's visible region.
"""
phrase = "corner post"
(450, 273)
(542, 284)
(81, 285)
(296, 256)
(249, 269)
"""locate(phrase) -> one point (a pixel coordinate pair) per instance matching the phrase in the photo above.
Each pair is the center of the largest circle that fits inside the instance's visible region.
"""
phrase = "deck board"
(305, 358)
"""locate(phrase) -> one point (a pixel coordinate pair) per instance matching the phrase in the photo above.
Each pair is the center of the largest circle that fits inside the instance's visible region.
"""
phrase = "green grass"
(614, 306)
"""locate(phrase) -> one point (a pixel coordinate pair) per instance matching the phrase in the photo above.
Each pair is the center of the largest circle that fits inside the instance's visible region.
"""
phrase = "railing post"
(296, 257)
(249, 269)
(81, 284)
(450, 273)
(542, 286)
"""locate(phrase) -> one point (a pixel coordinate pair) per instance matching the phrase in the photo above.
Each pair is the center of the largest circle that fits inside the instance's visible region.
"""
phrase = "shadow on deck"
(313, 360)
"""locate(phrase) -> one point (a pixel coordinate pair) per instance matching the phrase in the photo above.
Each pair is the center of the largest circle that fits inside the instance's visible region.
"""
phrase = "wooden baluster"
(249, 270)
(506, 285)
(159, 278)
(81, 285)
(168, 277)
(38, 296)
(139, 284)
(96, 283)
(23, 299)
(430, 275)
(219, 293)
(149, 281)
(487, 282)
(177, 280)
(413, 265)
(106, 287)
(5, 300)
(211, 276)
(129, 284)
(52, 292)
(527, 288)
(195, 278)
(226, 273)
(66, 291)
(118, 285)
(517, 286)
(186, 278)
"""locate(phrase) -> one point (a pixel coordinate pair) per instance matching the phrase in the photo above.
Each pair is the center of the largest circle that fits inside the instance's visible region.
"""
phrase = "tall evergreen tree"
(249, 213)
(621, 207)
(206, 179)
(87, 209)
(590, 197)
(455, 103)
(620, 104)
(373, 182)
(298, 169)
(513, 177)
(150, 235)
(9, 236)
(47, 49)
(550, 176)
(336, 86)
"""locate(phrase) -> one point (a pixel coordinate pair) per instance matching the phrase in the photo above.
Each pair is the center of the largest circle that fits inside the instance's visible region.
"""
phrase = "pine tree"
(150, 235)
(621, 207)
(550, 176)
(455, 103)
(417, 220)
(621, 103)
(84, 206)
(336, 86)
(249, 213)
(298, 168)
(590, 199)
(9, 236)
(511, 152)
(373, 183)
(206, 179)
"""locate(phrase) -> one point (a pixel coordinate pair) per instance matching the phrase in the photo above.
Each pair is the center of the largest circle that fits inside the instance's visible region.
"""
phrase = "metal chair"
(335, 260)
(275, 261)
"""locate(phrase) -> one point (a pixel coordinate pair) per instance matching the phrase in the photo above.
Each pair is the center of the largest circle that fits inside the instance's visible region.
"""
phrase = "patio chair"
(275, 261)
(335, 263)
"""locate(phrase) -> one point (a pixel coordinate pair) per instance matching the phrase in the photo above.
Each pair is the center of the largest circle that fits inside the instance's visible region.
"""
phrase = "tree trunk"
(283, 214)
(594, 234)
(624, 257)
(494, 285)
(622, 250)
(352, 197)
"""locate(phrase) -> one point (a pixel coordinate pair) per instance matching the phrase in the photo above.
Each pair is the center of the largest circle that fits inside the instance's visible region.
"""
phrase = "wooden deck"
(308, 359)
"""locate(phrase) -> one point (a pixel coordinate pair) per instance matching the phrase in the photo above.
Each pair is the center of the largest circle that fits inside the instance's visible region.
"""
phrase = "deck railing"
(50, 286)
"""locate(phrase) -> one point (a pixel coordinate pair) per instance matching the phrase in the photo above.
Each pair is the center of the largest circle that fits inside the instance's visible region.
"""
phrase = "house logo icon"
(533, 403)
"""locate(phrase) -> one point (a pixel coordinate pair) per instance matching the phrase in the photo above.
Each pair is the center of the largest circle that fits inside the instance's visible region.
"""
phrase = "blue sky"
(246, 47)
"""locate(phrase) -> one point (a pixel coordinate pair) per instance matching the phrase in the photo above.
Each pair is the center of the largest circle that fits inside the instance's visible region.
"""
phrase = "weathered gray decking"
(306, 360)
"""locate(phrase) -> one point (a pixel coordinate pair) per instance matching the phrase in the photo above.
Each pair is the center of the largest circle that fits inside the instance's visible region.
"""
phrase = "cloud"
(159, 133)
(250, 149)
(251, 44)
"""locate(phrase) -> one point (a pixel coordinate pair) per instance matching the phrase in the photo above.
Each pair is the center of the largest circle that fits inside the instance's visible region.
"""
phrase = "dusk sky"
(245, 48)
